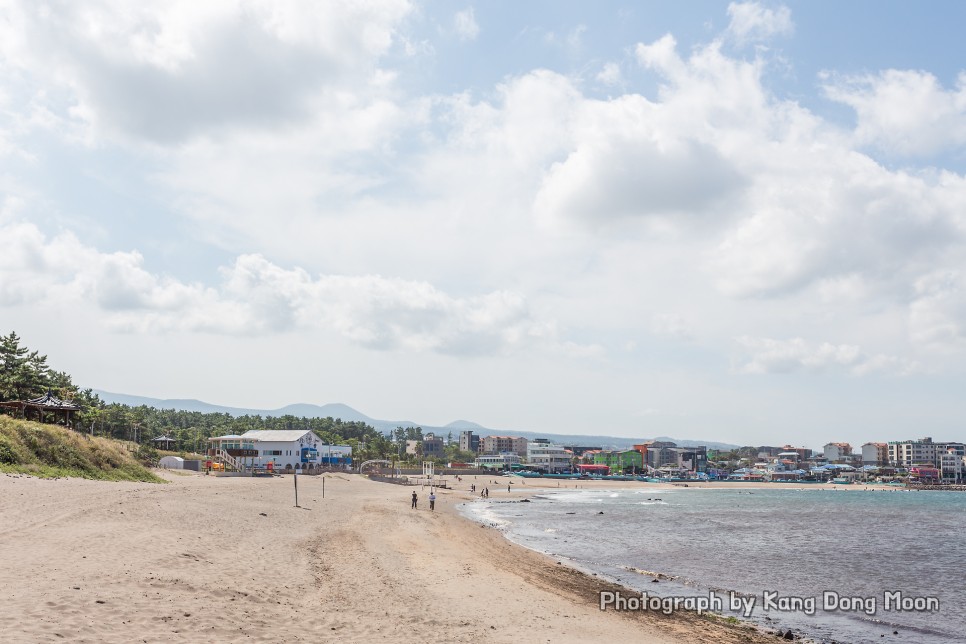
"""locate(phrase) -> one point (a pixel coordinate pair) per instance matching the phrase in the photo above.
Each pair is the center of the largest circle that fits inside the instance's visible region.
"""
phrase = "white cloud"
(385, 313)
(259, 297)
(767, 355)
(811, 208)
(610, 75)
(572, 41)
(165, 72)
(625, 165)
(672, 325)
(350, 202)
(903, 112)
(466, 26)
(937, 315)
(750, 21)
(764, 198)
(838, 215)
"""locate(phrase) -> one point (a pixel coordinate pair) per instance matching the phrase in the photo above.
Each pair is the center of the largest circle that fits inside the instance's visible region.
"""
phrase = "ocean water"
(779, 546)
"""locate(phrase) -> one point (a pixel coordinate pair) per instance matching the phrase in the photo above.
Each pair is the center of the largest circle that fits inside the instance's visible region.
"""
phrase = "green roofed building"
(620, 461)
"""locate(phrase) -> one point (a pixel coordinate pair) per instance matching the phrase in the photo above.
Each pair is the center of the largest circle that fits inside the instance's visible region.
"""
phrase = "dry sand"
(207, 558)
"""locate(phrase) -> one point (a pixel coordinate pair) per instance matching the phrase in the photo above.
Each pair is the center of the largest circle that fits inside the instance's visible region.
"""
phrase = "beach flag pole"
(323, 486)
(295, 477)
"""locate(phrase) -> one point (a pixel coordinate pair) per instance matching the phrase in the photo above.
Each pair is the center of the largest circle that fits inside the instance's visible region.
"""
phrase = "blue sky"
(733, 221)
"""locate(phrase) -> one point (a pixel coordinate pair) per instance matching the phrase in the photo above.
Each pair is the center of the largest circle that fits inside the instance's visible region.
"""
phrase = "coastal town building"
(578, 450)
(501, 444)
(921, 452)
(790, 459)
(767, 451)
(278, 449)
(838, 452)
(658, 454)
(627, 461)
(952, 467)
(544, 456)
(469, 442)
(503, 461)
(875, 454)
(803, 453)
(925, 474)
(431, 446)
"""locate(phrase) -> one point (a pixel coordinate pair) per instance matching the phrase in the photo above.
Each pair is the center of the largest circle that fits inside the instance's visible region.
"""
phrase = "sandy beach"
(207, 558)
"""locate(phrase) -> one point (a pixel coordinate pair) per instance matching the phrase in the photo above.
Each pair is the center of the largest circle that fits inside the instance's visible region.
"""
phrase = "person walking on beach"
(415, 499)
(508, 488)
(432, 501)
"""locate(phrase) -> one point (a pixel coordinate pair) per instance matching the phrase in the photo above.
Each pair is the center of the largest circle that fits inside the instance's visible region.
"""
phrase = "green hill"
(51, 451)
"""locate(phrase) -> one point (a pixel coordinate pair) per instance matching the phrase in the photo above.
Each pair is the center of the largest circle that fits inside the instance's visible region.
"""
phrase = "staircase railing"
(229, 460)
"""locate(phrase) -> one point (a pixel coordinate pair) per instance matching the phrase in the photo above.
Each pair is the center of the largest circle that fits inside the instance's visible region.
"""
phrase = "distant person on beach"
(508, 488)
(487, 492)
(432, 500)
(415, 499)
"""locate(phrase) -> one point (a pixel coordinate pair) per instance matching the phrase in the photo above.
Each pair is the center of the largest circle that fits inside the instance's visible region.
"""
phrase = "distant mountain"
(334, 410)
(465, 425)
(348, 414)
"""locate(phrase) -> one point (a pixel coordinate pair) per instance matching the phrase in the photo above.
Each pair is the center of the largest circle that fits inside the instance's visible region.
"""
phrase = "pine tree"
(24, 374)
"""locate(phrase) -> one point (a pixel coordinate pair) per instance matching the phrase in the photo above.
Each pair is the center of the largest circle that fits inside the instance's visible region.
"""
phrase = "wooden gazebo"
(164, 442)
(46, 404)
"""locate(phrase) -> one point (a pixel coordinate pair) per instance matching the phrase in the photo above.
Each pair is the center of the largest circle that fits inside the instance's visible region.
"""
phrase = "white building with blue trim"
(282, 448)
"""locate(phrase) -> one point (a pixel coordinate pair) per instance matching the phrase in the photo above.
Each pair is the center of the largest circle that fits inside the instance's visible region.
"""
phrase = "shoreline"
(836, 624)
(745, 630)
(232, 559)
(521, 492)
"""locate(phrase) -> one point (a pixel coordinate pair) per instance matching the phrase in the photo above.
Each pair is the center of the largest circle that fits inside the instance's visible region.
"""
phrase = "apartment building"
(835, 452)
(505, 444)
(921, 452)
(875, 454)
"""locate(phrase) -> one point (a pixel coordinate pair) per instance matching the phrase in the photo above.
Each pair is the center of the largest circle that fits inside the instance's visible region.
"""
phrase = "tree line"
(25, 374)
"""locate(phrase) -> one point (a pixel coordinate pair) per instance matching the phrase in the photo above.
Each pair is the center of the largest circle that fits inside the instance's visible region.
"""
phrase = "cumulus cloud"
(750, 22)
(466, 25)
(775, 200)
(903, 112)
(810, 208)
(937, 315)
(284, 131)
(164, 72)
(624, 164)
(843, 216)
(385, 313)
(769, 356)
(59, 269)
(259, 297)
(610, 75)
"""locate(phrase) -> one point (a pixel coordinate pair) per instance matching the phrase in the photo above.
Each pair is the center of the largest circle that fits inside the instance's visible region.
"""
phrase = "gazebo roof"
(49, 401)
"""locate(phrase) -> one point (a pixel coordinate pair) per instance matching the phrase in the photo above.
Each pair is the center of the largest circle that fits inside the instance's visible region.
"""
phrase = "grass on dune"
(51, 451)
